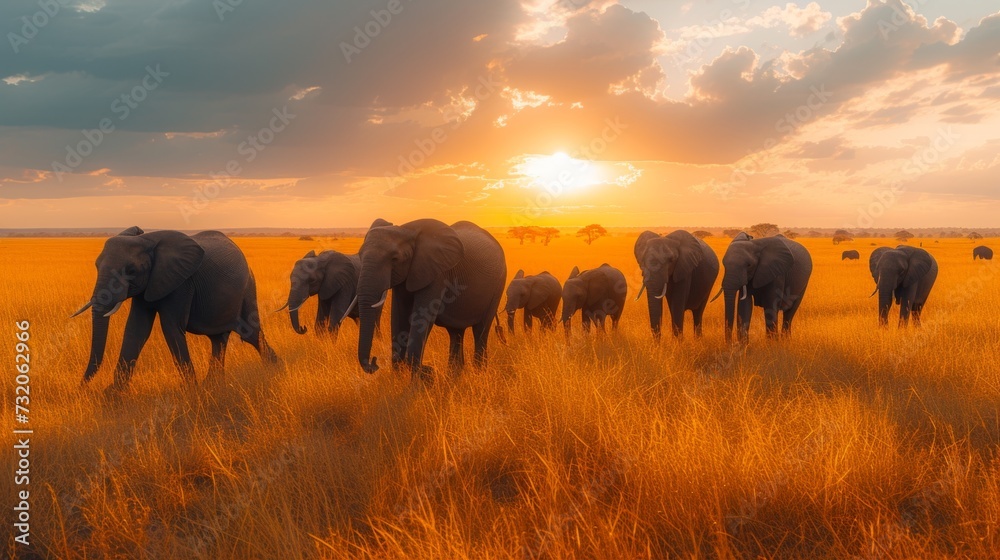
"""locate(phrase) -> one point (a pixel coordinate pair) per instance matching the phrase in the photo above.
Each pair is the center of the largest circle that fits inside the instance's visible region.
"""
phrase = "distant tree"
(547, 234)
(975, 235)
(702, 234)
(838, 239)
(519, 232)
(814, 233)
(843, 233)
(904, 236)
(764, 230)
(592, 233)
(791, 234)
(305, 238)
(730, 233)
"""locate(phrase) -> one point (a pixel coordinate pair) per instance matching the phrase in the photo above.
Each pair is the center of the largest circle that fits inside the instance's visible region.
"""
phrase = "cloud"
(800, 21)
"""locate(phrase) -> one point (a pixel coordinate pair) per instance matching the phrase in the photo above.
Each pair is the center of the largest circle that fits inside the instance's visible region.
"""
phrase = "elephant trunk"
(296, 297)
(733, 289)
(885, 289)
(510, 322)
(98, 341)
(730, 298)
(371, 287)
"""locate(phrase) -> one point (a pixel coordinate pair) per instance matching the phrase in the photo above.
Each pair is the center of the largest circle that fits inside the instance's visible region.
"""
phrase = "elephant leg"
(249, 329)
(456, 354)
(615, 317)
(744, 314)
(402, 309)
(480, 338)
(698, 315)
(771, 319)
(217, 365)
(917, 310)
(173, 332)
(425, 311)
(527, 321)
(586, 322)
(677, 314)
(323, 314)
(787, 316)
(137, 329)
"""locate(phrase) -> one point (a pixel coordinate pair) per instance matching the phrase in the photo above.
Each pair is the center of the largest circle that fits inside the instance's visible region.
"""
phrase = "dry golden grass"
(845, 441)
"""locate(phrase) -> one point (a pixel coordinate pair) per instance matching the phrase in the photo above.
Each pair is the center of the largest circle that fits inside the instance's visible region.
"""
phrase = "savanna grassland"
(845, 440)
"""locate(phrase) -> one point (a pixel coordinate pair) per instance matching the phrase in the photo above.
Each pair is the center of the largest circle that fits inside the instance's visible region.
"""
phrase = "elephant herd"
(453, 276)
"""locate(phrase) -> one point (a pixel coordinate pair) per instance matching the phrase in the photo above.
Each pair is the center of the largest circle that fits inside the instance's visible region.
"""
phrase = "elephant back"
(224, 269)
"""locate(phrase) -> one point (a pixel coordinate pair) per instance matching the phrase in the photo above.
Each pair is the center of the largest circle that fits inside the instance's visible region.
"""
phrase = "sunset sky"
(311, 113)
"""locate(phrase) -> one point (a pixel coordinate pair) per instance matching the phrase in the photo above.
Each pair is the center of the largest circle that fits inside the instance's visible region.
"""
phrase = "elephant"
(597, 294)
(906, 274)
(449, 276)
(199, 284)
(537, 295)
(850, 255)
(771, 273)
(982, 252)
(331, 275)
(680, 268)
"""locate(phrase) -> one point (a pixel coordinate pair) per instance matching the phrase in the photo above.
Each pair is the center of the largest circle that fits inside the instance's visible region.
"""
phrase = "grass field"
(844, 441)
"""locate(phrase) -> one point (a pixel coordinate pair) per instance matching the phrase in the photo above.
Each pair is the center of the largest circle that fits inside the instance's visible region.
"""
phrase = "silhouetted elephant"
(850, 255)
(597, 294)
(771, 273)
(905, 274)
(332, 276)
(449, 276)
(982, 252)
(537, 295)
(680, 268)
(199, 284)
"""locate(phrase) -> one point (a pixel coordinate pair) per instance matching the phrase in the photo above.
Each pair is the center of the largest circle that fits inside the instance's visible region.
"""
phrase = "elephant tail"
(501, 335)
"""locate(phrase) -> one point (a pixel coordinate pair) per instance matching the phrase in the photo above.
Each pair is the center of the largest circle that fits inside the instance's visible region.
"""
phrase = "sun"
(559, 172)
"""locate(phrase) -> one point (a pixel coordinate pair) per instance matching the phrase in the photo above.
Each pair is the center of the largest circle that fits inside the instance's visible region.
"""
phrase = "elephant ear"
(873, 261)
(920, 264)
(132, 231)
(775, 260)
(519, 275)
(310, 255)
(379, 222)
(642, 243)
(338, 273)
(176, 257)
(689, 254)
(436, 250)
(536, 295)
(574, 273)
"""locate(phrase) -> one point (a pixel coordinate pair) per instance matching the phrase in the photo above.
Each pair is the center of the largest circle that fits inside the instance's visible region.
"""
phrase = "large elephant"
(982, 252)
(852, 255)
(680, 268)
(199, 284)
(450, 276)
(598, 293)
(332, 276)
(905, 274)
(771, 273)
(537, 295)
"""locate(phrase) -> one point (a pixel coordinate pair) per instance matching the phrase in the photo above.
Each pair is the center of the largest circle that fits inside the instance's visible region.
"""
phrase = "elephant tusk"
(743, 293)
(349, 308)
(82, 309)
(114, 310)
(385, 294)
(642, 289)
(717, 294)
(296, 308)
(664, 294)
(875, 292)
(280, 308)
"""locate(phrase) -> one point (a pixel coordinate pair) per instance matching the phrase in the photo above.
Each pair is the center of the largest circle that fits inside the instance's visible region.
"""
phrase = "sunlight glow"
(559, 172)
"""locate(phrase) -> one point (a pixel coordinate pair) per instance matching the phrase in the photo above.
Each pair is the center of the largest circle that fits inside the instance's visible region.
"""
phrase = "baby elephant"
(982, 252)
(597, 294)
(333, 277)
(905, 274)
(850, 255)
(537, 295)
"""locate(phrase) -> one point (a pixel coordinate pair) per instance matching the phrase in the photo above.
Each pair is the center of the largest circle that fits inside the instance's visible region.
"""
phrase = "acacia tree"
(592, 233)
(730, 233)
(975, 235)
(904, 235)
(519, 232)
(547, 234)
(702, 234)
(791, 234)
(838, 239)
(764, 230)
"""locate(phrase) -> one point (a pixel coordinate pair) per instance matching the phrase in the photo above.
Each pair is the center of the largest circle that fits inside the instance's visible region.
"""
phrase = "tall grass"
(845, 440)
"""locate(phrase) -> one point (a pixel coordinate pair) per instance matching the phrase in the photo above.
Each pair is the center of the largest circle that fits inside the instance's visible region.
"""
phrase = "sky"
(196, 114)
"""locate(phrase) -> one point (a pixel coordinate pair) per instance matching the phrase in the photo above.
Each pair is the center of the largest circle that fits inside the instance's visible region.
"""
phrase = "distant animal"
(677, 267)
(449, 276)
(331, 275)
(905, 274)
(851, 255)
(771, 273)
(598, 293)
(198, 283)
(538, 295)
(982, 252)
